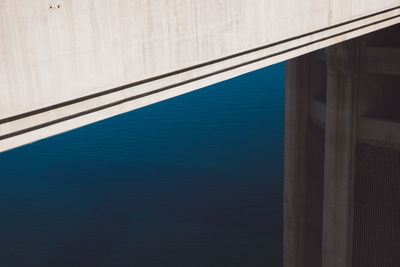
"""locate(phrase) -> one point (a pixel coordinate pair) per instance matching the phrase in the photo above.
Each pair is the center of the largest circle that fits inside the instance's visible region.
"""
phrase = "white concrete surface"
(56, 51)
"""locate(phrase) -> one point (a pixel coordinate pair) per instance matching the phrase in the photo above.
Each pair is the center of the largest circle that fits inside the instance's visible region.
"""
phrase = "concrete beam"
(66, 64)
(380, 131)
(382, 60)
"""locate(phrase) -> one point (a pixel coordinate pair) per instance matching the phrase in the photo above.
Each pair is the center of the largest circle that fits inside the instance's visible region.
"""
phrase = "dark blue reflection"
(192, 181)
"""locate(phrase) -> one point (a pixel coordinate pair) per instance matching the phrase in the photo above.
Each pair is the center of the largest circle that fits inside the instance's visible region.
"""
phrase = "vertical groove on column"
(314, 196)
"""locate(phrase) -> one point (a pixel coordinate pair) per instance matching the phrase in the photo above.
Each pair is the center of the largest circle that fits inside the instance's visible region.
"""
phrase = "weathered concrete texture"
(342, 83)
(297, 97)
(65, 64)
(304, 166)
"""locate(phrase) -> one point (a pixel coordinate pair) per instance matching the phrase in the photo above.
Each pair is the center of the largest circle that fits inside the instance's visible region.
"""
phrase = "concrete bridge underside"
(65, 64)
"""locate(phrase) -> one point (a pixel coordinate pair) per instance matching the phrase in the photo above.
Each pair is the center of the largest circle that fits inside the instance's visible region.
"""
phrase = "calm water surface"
(193, 181)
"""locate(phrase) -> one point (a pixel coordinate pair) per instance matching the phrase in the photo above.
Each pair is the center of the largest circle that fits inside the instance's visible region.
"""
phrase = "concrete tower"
(342, 164)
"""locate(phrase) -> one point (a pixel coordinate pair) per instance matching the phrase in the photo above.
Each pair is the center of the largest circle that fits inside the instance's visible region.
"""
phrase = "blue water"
(193, 181)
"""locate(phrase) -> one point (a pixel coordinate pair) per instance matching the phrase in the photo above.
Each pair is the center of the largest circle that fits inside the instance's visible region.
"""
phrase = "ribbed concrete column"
(339, 154)
(297, 97)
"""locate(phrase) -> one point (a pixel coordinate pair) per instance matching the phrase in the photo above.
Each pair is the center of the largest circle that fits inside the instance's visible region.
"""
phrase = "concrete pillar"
(297, 97)
(342, 61)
